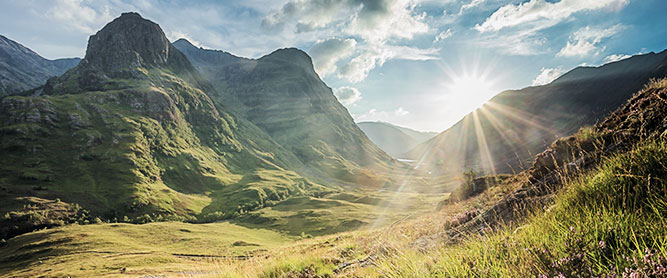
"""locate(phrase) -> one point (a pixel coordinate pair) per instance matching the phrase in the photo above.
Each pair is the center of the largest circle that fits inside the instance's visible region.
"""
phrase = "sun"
(470, 91)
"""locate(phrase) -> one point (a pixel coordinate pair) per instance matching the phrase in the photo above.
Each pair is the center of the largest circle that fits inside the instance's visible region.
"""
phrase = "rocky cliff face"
(505, 133)
(125, 49)
(22, 69)
(127, 42)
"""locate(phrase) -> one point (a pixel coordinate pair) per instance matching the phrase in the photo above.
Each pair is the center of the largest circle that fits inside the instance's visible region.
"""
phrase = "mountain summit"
(125, 48)
(128, 41)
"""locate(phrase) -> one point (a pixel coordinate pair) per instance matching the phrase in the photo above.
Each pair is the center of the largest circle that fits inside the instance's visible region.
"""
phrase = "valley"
(160, 157)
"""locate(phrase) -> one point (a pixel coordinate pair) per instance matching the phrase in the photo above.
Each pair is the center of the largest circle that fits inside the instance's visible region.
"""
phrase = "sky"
(422, 64)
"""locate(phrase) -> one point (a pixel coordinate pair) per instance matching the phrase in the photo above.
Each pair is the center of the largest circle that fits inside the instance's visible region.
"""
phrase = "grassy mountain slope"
(504, 135)
(135, 134)
(22, 69)
(131, 132)
(282, 94)
(394, 140)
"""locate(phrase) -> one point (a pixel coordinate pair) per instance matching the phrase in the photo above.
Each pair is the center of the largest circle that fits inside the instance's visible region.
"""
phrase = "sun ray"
(483, 147)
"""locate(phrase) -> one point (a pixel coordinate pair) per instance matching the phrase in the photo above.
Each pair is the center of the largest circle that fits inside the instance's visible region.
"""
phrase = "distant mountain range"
(22, 69)
(394, 140)
(137, 131)
(504, 135)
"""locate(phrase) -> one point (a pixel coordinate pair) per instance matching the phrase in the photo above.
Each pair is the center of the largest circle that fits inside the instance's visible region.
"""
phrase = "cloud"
(378, 20)
(401, 112)
(543, 13)
(443, 35)
(616, 57)
(326, 53)
(585, 40)
(79, 16)
(547, 75)
(347, 95)
(380, 115)
(521, 42)
(472, 4)
(372, 28)
(370, 56)
(375, 20)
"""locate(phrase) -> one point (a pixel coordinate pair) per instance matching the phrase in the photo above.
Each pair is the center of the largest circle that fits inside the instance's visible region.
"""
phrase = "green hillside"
(131, 134)
(282, 94)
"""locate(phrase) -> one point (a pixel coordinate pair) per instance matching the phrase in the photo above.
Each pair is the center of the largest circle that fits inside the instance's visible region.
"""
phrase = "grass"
(106, 249)
(609, 221)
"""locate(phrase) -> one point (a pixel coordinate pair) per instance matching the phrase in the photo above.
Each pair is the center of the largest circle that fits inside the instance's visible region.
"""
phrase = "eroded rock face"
(120, 55)
(128, 40)
(20, 111)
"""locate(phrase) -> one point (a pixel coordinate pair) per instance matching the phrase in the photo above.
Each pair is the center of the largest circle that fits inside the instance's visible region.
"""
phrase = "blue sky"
(416, 63)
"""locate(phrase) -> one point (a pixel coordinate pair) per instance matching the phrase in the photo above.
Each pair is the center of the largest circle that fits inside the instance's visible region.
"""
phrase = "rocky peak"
(183, 43)
(128, 41)
(118, 52)
(292, 55)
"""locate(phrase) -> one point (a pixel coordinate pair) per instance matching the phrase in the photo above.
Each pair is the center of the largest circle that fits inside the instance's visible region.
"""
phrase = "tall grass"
(608, 222)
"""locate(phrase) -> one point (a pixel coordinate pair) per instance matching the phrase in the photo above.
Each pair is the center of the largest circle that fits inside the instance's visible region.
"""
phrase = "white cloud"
(401, 112)
(472, 4)
(585, 41)
(616, 57)
(543, 13)
(347, 95)
(443, 35)
(521, 42)
(547, 75)
(374, 20)
(372, 55)
(375, 115)
(326, 53)
(378, 21)
(371, 24)
(78, 15)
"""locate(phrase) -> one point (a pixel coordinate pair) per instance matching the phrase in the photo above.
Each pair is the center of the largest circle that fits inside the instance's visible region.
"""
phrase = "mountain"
(504, 134)
(131, 133)
(282, 94)
(135, 133)
(394, 140)
(22, 69)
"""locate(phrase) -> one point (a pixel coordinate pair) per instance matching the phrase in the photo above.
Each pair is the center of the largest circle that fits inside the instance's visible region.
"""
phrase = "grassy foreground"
(608, 221)
(170, 248)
